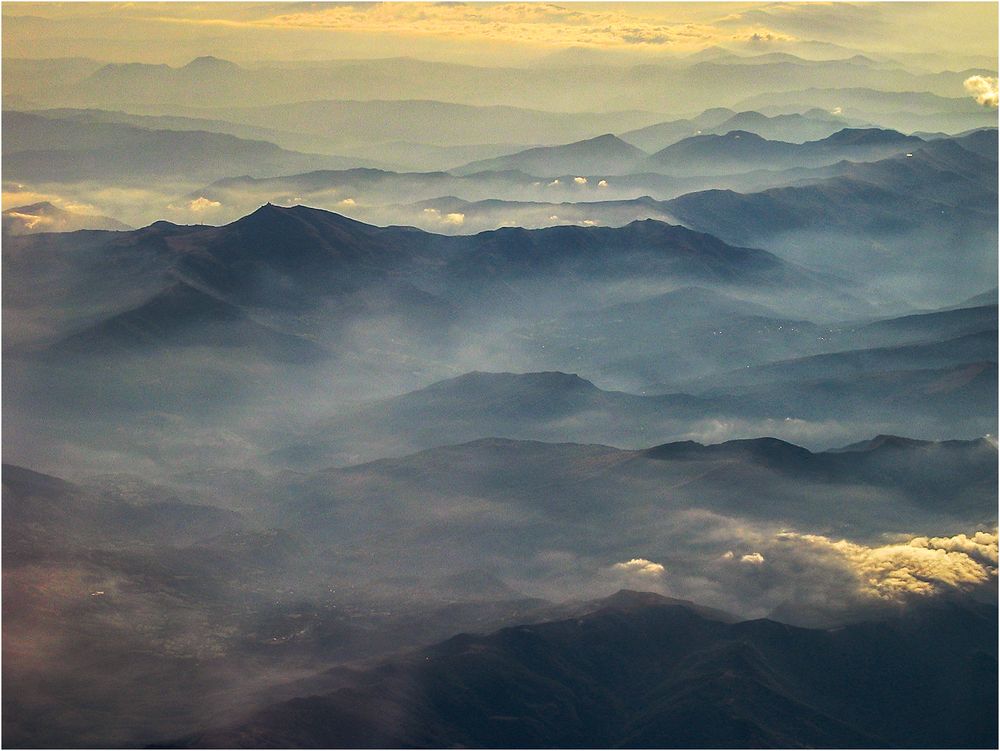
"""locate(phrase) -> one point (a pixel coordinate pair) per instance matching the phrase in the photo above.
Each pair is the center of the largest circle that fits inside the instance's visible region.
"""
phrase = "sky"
(492, 33)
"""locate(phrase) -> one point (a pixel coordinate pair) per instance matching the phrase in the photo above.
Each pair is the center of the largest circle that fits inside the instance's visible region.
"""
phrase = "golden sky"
(486, 33)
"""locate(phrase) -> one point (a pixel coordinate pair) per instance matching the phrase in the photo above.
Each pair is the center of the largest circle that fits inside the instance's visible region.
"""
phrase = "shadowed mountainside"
(642, 672)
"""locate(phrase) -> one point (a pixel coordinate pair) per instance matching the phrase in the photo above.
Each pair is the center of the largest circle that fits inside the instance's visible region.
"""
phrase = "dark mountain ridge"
(294, 259)
(641, 671)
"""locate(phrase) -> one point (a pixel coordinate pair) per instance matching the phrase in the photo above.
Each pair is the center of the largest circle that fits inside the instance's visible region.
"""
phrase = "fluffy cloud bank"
(983, 89)
(201, 203)
(920, 566)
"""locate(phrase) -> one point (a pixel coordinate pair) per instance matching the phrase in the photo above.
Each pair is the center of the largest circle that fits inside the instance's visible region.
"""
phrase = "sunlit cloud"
(983, 89)
(919, 566)
(454, 219)
(201, 204)
(31, 221)
(641, 567)
(539, 23)
(487, 32)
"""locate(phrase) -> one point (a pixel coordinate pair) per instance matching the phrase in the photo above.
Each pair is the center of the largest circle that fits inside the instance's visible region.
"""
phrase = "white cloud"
(201, 204)
(554, 182)
(640, 566)
(347, 202)
(983, 89)
(580, 180)
(602, 184)
(754, 559)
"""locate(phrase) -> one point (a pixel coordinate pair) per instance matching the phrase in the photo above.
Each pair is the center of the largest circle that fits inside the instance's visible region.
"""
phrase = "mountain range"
(51, 149)
(813, 124)
(696, 83)
(618, 377)
(640, 671)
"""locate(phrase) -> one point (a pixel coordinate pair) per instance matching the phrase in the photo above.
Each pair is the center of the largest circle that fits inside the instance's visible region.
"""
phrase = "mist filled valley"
(504, 376)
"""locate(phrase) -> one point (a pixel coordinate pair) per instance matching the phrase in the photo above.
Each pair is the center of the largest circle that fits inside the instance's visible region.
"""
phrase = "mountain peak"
(631, 600)
(741, 135)
(861, 136)
(41, 206)
(209, 63)
(555, 381)
(270, 212)
(763, 451)
(605, 138)
(884, 441)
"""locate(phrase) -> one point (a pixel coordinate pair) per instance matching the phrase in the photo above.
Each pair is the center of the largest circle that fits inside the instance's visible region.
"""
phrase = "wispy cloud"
(545, 24)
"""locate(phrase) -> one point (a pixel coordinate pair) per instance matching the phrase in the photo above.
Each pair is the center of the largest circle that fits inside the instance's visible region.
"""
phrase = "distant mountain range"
(734, 152)
(48, 149)
(796, 127)
(742, 151)
(485, 200)
(908, 111)
(889, 217)
(605, 155)
(696, 83)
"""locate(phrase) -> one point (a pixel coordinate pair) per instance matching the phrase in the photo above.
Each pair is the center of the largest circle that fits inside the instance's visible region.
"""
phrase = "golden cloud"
(640, 566)
(983, 89)
(30, 221)
(201, 203)
(545, 24)
(920, 566)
